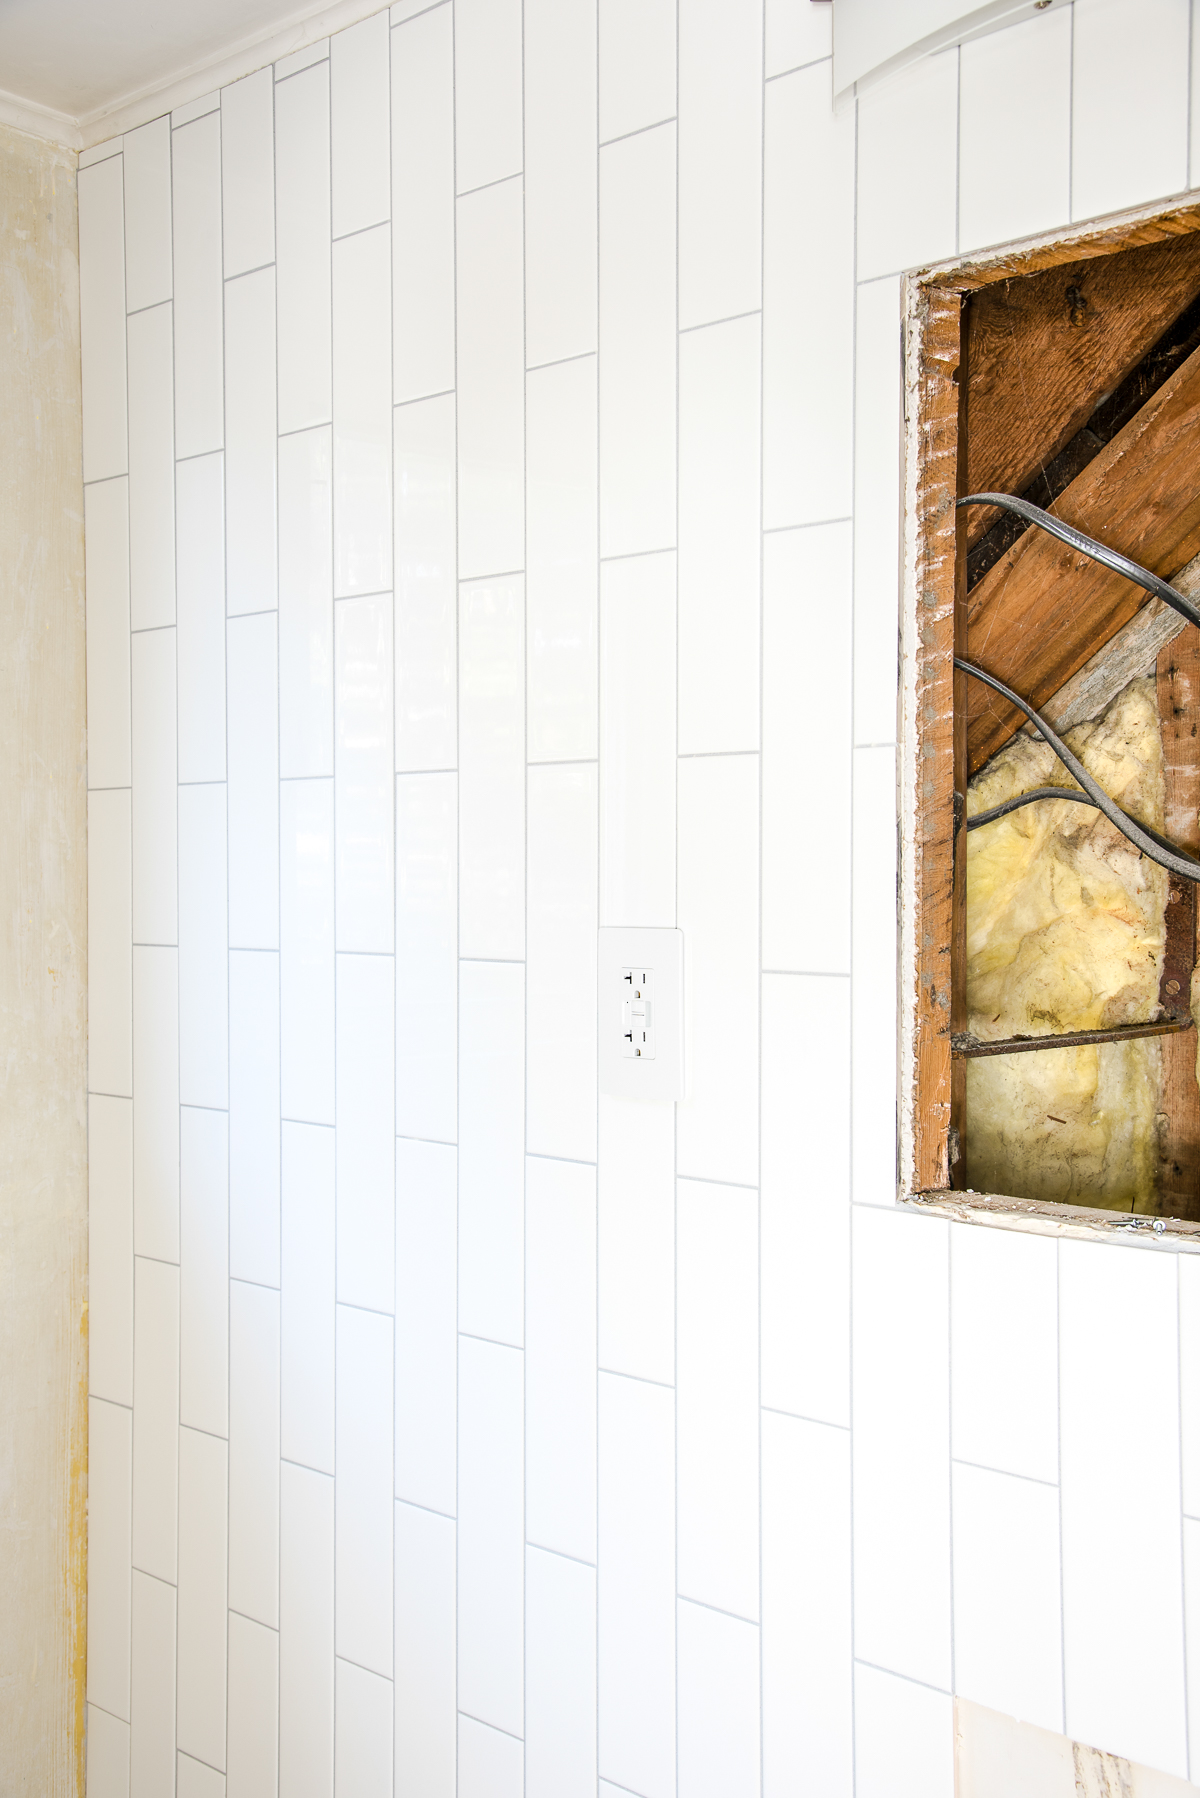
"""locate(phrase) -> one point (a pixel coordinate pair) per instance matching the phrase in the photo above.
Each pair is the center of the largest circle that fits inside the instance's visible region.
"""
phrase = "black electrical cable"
(1036, 793)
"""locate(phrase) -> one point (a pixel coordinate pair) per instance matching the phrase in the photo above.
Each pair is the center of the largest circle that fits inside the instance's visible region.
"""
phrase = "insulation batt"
(1065, 931)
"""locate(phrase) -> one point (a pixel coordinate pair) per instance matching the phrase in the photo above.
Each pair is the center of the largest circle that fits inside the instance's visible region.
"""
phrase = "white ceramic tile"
(490, 1763)
(720, 427)
(306, 603)
(423, 205)
(637, 741)
(195, 109)
(491, 1595)
(1119, 1422)
(194, 1779)
(1191, 1603)
(904, 1738)
(203, 1543)
(805, 1295)
(196, 209)
(253, 678)
(1129, 62)
(110, 1249)
(362, 413)
(302, 252)
(561, 984)
(151, 471)
(807, 1671)
(491, 761)
(363, 1578)
(806, 622)
(254, 1117)
(1189, 1395)
(1004, 1408)
(154, 790)
(248, 173)
(147, 154)
(877, 426)
(907, 138)
(254, 1382)
(560, 1677)
(1007, 1621)
(102, 319)
(152, 1688)
(250, 425)
(560, 97)
(1014, 150)
(426, 1324)
(156, 1107)
(718, 914)
(638, 345)
(306, 955)
(363, 763)
(719, 1749)
(106, 571)
(107, 1755)
(110, 954)
(720, 159)
(305, 1632)
(110, 1511)
(156, 1416)
(425, 1657)
(360, 118)
(204, 1270)
(717, 1381)
(636, 1586)
(100, 152)
(491, 1148)
(366, 1131)
(203, 949)
(872, 991)
(426, 591)
(287, 66)
(637, 65)
(363, 1730)
(560, 1357)
(796, 32)
(636, 1238)
(487, 91)
(902, 1444)
(252, 1756)
(307, 1297)
(808, 418)
(490, 363)
(200, 536)
(427, 956)
(561, 547)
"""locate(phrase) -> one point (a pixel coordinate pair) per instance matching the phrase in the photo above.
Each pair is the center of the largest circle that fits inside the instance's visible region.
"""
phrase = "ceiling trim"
(39, 121)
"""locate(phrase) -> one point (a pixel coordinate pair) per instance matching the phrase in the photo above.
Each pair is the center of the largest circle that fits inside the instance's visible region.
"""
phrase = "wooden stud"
(1179, 712)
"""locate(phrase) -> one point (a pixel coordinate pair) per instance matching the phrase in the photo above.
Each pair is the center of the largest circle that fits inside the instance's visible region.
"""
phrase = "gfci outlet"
(641, 1013)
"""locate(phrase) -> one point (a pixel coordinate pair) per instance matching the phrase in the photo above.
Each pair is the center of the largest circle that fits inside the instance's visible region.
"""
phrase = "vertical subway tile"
(152, 1688)
(427, 956)
(151, 471)
(147, 158)
(204, 1270)
(491, 1764)
(873, 983)
(109, 1519)
(719, 1704)
(720, 371)
(795, 34)
(426, 1324)
(156, 1416)
(107, 1759)
(154, 790)
(305, 1632)
(362, 413)
(423, 205)
(561, 548)
(306, 953)
(106, 583)
(491, 1147)
(248, 172)
(491, 786)
(110, 935)
(102, 319)
(877, 426)
(1140, 53)
(203, 1542)
(426, 588)
(302, 253)
(359, 107)
(254, 1379)
(156, 1107)
(487, 90)
(635, 1238)
(561, 962)
(560, 179)
(252, 1755)
(425, 1678)
(560, 1357)
(253, 678)
(491, 1581)
(491, 362)
(364, 781)
(720, 160)
(637, 77)
(903, 1737)
(560, 1677)
(196, 195)
(306, 603)
(110, 1249)
(307, 1296)
(638, 344)
(307, 58)
(364, 1522)
(1003, 1282)
(1014, 150)
(203, 948)
(907, 141)
(366, 1130)
(362, 1761)
(254, 1116)
(250, 425)
(195, 1779)
(637, 741)
(200, 536)
(1189, 1366)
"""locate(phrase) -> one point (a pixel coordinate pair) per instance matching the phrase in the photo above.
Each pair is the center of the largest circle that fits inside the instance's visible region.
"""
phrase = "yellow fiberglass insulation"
(1065, 931)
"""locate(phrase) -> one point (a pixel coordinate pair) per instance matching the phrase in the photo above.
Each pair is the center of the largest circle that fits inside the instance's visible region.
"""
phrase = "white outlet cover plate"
(661, 951)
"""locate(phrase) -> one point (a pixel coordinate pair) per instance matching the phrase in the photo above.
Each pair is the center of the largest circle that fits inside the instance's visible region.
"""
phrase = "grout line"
(559, 1554)
(908, 1678)
(807, 973)
(639, 1379)
(566, 1160)
(823, 1423)
(624, 136)
(466, 193)
(782, 74)
(1004, 1473)
(413, 1504)
(719, 1610)
(241, 275)
(493, 1726)
(711, 324)
(636, 555)
(810, 524)
(536, 368)
(708, 755)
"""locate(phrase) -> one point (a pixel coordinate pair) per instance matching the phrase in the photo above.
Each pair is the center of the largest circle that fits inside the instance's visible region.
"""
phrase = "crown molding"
(39, 121)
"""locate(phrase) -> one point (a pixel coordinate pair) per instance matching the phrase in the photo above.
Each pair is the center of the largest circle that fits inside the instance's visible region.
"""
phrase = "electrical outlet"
(637, 1014)
(641, 1013)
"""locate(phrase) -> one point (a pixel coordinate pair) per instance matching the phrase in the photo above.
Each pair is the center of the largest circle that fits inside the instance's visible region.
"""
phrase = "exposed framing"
(932, 730)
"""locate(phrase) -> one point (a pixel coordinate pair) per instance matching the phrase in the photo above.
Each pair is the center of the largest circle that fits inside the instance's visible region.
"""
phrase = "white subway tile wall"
(457, 1431)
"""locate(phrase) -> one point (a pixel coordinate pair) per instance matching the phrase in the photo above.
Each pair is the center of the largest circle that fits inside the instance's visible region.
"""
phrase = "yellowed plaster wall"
(43, 974)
